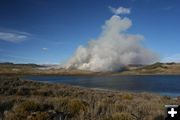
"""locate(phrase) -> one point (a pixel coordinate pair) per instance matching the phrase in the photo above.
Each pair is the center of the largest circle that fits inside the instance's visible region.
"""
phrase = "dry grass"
(21, 100)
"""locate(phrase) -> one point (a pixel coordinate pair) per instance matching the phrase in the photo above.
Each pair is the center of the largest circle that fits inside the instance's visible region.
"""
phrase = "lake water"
(160, 84)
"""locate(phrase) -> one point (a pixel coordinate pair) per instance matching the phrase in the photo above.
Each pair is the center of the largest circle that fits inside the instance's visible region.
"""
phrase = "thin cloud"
(15, 58)
(168, 8)
(14, 36)
(59, 42)
(120, 10)
(20, 57)
(45, 49)
(172, 58)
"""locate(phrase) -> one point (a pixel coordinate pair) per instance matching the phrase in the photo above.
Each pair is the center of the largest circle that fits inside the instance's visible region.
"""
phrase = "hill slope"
(33, 69)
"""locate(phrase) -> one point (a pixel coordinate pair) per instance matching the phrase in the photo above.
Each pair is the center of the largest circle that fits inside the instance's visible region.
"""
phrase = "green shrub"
(23, 91)
(121, 116)
(60, 104)
(127, 96)
(6, 105)
(29, 106)
(69, 106)
(40, 116)
(15, 116)
(120, 107)
(75, 106)
(101, 108)
(159, 117)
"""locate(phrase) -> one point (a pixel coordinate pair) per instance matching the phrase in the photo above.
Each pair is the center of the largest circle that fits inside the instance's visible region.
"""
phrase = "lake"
(160, 84)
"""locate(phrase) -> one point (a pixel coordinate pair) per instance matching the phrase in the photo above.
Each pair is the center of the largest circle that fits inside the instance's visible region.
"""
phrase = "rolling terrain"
(154, 69)
(33, 69)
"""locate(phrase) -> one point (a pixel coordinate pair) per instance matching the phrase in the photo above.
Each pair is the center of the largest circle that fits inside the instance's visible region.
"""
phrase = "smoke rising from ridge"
(112, 50)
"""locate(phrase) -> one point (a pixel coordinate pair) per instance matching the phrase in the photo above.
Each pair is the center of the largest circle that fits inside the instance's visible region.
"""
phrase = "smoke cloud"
(112, 50)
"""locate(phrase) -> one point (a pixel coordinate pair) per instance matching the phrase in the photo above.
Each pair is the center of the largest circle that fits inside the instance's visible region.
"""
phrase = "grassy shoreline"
(33, 69)
(25, 99)
(104, 89)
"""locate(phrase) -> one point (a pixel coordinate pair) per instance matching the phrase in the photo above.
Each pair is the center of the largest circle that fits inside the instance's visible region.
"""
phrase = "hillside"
(157, 68)
(33, 69)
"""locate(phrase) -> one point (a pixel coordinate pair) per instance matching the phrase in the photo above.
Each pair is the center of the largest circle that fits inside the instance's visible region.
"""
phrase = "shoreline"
(37, 100)
(84, 73)
(163, 94)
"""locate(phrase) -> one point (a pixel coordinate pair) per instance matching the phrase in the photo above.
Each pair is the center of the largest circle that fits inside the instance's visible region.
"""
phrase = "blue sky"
(48, 32)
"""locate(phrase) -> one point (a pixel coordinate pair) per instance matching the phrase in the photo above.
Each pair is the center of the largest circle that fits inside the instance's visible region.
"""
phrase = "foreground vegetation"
(29, 100)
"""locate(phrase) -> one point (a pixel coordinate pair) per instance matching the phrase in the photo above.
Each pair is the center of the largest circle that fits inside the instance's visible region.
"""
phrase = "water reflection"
(166, 85)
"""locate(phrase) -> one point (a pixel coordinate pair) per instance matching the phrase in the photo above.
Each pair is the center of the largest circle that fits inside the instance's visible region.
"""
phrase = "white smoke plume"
(112, 50)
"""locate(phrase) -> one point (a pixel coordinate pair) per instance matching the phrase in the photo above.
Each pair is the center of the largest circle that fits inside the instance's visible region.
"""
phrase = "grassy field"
(29, 100)
(154, 69)
(33, 69)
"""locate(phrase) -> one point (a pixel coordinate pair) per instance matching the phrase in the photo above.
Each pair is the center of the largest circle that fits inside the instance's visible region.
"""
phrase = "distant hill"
(34, 69)
(157, 68)
(14, 65)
